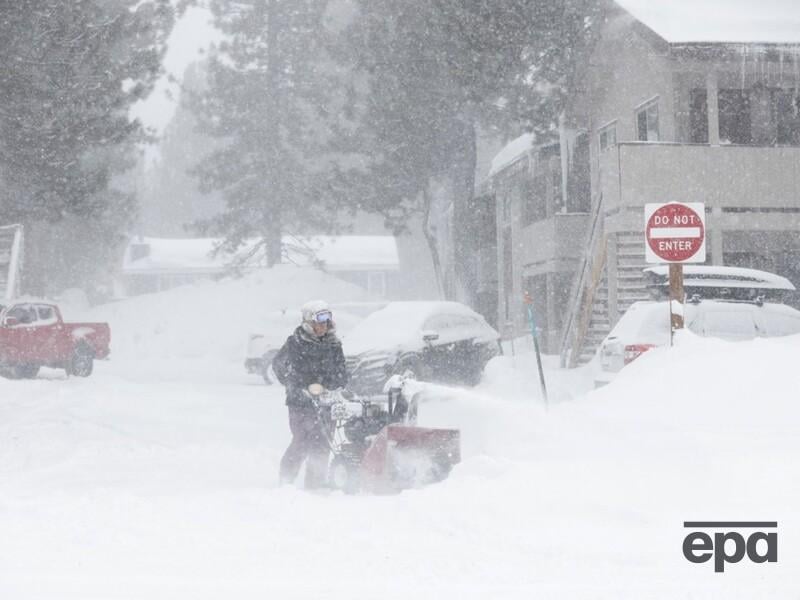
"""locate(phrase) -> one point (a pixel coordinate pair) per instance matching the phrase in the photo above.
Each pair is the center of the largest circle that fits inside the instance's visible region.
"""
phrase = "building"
(158, 264)
(656, 119)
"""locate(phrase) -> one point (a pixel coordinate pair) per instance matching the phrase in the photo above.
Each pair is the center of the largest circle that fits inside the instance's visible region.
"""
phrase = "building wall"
(539, 243)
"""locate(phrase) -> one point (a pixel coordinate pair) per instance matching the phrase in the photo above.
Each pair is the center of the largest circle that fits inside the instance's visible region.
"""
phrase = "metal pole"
(510, 334)
(675, 293)
(529, 303)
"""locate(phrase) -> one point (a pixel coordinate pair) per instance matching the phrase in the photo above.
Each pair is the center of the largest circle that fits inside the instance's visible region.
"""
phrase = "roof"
(733, 21)
(511, 153)
(195, 255)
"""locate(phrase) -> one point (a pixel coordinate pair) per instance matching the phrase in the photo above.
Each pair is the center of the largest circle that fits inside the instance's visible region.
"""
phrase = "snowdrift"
(208, 323)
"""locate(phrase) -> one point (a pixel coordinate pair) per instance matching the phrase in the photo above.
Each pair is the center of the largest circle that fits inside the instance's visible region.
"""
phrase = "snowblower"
(376, 444)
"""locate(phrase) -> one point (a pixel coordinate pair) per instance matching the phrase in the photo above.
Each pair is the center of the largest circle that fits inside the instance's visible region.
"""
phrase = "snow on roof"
(345, 252)
(511, 152)
(719, 276)
(166, 254)
(337, 253)
(735, 21)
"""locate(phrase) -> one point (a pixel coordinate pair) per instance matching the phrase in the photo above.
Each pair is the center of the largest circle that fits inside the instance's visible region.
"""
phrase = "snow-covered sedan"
(646, 325)
(434, 341)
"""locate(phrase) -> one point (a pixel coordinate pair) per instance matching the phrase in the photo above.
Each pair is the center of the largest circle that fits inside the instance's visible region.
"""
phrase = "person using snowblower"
(312, 354)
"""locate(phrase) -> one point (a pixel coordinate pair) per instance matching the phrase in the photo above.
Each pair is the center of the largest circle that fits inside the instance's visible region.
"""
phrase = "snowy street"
(158, 478)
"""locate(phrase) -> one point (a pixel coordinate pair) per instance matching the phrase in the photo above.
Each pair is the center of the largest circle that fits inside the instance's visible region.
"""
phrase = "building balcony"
(735, 179)
(560, 237)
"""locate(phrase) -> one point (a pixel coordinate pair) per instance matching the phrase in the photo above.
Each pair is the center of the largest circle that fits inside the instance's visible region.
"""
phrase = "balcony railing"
(746, 177)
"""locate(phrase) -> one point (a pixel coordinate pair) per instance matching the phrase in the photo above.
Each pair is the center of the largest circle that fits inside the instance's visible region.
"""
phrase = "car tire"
(412, 367)
(26, 371)
(81, 363)
(9, 372)
(266, 370)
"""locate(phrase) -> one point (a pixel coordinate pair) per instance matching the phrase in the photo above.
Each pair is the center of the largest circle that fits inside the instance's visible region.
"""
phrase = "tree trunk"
(272, 243)
(466, 238)
(272, 129)
(433, 246)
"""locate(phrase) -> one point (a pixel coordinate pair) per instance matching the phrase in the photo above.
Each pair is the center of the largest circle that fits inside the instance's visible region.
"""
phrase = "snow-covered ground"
(156, 477)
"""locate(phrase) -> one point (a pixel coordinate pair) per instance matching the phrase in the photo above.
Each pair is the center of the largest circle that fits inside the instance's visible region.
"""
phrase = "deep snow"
(156, 477)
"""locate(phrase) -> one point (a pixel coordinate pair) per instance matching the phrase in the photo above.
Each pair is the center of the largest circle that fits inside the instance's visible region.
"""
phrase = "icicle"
(744, 65)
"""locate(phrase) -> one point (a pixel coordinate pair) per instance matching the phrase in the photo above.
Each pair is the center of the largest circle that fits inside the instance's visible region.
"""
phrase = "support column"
(563, 150)
(712, 102)
(715, 235)
(552, 313)
(612, 273)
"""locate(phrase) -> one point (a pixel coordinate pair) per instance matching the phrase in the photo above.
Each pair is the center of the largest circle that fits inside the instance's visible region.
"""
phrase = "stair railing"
(583, 289)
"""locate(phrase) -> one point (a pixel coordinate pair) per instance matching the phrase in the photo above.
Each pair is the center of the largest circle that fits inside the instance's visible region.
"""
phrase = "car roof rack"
(757, 301)
(723, 277)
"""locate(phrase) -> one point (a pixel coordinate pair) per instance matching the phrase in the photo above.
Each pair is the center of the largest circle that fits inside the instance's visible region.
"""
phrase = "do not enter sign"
(675, 232)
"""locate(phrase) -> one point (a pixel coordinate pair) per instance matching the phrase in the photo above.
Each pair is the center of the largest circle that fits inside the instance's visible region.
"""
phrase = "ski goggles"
(323, 316)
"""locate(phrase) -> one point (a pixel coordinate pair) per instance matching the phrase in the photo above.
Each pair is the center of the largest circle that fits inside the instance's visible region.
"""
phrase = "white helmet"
(316, 311)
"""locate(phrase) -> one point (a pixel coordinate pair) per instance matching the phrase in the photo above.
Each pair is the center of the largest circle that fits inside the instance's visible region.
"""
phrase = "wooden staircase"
(630, 262)
(609, 281)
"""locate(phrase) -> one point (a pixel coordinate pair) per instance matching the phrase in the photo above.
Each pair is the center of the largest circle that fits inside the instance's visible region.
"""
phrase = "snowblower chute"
(376, 444)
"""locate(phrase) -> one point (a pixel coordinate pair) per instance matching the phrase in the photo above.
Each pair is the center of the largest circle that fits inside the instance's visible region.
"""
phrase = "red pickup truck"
(33, 334)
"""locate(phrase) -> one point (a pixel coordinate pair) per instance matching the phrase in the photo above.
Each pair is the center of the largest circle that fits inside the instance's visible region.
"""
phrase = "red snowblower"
(376, 444)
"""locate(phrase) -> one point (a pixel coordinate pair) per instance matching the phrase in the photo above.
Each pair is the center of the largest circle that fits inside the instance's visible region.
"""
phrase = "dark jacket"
(305, 359)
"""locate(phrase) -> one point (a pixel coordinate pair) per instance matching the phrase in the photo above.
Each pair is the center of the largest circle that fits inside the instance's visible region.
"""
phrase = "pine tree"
(72, 69)
(437, 70)
(270, 97)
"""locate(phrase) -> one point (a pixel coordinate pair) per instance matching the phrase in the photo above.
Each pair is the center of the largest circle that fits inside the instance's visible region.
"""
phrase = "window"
(462, 321)
(534, 199)
(23, 313)
(698, 116)
(735, 124)
(786, 109)
(777, 324)
(579, 186)
(608, 136)
(46, 313)
(506, 202)
(438, 323)
(555, 186)
(508, 271)
(729, 325)
(647, 122)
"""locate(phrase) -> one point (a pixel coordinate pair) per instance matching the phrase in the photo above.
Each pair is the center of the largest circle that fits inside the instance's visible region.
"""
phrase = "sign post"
(532, 324)
(675, 233)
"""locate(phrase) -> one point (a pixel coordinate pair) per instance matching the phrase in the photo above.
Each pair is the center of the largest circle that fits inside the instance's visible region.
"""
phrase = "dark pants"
(308, 442)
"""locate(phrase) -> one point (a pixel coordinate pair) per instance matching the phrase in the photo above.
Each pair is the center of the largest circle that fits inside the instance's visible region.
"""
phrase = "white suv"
(647, 324)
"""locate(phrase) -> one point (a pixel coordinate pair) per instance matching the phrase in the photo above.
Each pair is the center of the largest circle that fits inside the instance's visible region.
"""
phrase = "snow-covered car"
(646, 325)
(262, 347)
(434, 341)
